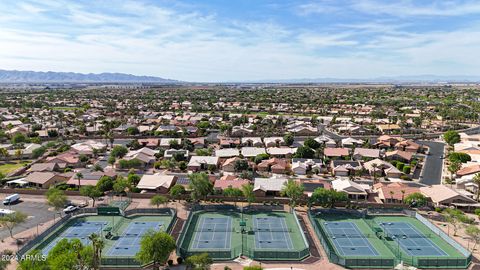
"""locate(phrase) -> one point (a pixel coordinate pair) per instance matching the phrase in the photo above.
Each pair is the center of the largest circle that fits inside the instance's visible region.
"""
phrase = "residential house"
(274, 141)
(198, 163)
(44, 179)
(351, 142)
(252, 141)
(274, 165)
(46, 167)
(227, 152)
(380, 167)
(443, 195)
(151, 143)
(89, 178)
(240, 131)
(252, 151)
(171, 152)
(313, 165)
(365, 153)
(229, 142)
(160, 183)
(281, 152)
(235, 183)
(335, 153)
(354, 190)
(268, 186)
(165, 142)
(408, 146)
(394, 192)
(69, 158)
(387, 141)
(345, 167)
(399, 155)
(88, 147)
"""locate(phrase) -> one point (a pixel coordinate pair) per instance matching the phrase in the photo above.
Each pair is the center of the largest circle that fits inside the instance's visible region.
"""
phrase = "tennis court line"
(353, 226)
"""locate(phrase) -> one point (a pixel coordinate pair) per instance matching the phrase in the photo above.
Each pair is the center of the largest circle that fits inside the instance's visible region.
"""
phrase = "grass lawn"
(5, 169)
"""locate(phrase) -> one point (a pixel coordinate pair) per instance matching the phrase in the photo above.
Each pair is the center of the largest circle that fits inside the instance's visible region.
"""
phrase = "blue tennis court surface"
(348, 239)
(128, 244)
(81, 230)
(271, 233)
(412, 242)
(213, 233)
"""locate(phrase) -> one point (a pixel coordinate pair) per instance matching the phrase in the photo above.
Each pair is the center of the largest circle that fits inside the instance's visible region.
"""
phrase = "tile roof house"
(443, 195)
(394, 192)
(345, 167)
(229, 164)
(160, 183)
(361, 153)
(351, 142)
(281, 151)
(336, 152)
(198, 163)
(387, 141)
(44, 179)
(268, 186)
(227, 152)
(69, 158)
(382, 168)
(149, 142)
(354, 190)
(252, 151)
(408, 146)
(89, 178)
(399, 155)
(46, 167)
(274, 165)
(88, 147)
(229, 142)
(468, 170)
(274, 141)
(252, 141)
(165, 142)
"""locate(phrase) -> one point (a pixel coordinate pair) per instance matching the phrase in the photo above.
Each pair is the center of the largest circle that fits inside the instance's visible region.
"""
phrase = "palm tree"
(476, 180)
(4, 152)
(97, 244)
(403, 194)
(79, 176)
(374, 166)
(391, 195)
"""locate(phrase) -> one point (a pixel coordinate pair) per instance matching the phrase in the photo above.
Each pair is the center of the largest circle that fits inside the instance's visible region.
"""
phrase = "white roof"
(197, 160)
(153, 181)
(252, 151)
(281, 150)
(269, 184)
(441, 193)
(166, 141)
(348, 186)
(227, 152)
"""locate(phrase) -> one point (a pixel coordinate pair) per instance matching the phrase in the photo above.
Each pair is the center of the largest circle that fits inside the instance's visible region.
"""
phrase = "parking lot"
(36, 210)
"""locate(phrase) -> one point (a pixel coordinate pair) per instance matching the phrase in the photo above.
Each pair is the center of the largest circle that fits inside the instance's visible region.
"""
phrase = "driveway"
(432, 169)
(37, 213)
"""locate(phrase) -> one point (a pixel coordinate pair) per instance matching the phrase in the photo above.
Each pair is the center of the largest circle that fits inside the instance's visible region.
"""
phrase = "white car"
(70, 209)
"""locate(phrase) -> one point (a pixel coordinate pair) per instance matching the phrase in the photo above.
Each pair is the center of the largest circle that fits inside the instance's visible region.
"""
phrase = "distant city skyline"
(247, 40)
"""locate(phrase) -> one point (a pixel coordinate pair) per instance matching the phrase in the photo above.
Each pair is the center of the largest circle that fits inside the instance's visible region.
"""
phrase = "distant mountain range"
(14, 76)
(392, 80)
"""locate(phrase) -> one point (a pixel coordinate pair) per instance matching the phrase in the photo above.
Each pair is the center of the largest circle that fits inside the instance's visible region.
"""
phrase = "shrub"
(170, 262)
(179, 260)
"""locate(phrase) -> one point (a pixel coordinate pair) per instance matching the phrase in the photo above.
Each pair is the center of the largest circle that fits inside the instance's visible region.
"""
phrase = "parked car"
(69, 209)
(11, 199)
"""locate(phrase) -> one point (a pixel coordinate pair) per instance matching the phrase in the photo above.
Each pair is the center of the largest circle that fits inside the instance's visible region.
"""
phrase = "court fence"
(57, 228)
(425, 261)
(240, 249)
(347, 261)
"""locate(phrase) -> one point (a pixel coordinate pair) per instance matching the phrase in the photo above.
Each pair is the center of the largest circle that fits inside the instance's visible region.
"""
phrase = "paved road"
(37, 213)
(432, 169)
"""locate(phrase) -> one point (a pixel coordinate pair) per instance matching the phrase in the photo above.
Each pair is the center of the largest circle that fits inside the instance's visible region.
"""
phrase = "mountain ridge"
(18, 76)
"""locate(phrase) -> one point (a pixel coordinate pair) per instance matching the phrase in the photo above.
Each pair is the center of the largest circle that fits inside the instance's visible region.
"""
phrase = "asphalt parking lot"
(37, 213)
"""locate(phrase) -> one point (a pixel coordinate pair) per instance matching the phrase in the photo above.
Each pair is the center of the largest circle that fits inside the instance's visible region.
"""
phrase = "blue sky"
(234, 40)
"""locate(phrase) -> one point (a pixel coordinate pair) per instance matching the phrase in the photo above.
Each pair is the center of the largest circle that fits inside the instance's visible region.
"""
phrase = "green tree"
(260, 157)
(70, 255)
(79, 176)
(416, 199)
(200, 186)
(105, 183)
(10, 221)
(233, 193)
(97, 245)
(248, 193)
(56, 198)
(474, 233)
(288, 138)
(121, 185)
(454, 167)
(91, 192)
(327, 198)
(38, 152)
(157, 200)
(459, 157)
(240, 165)
(18, 138)
(35, 261)
(304, 152)
(199, 262)
(294, 191)
(119, 151)
(451, 137)
(155, 247)
(310, 142)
